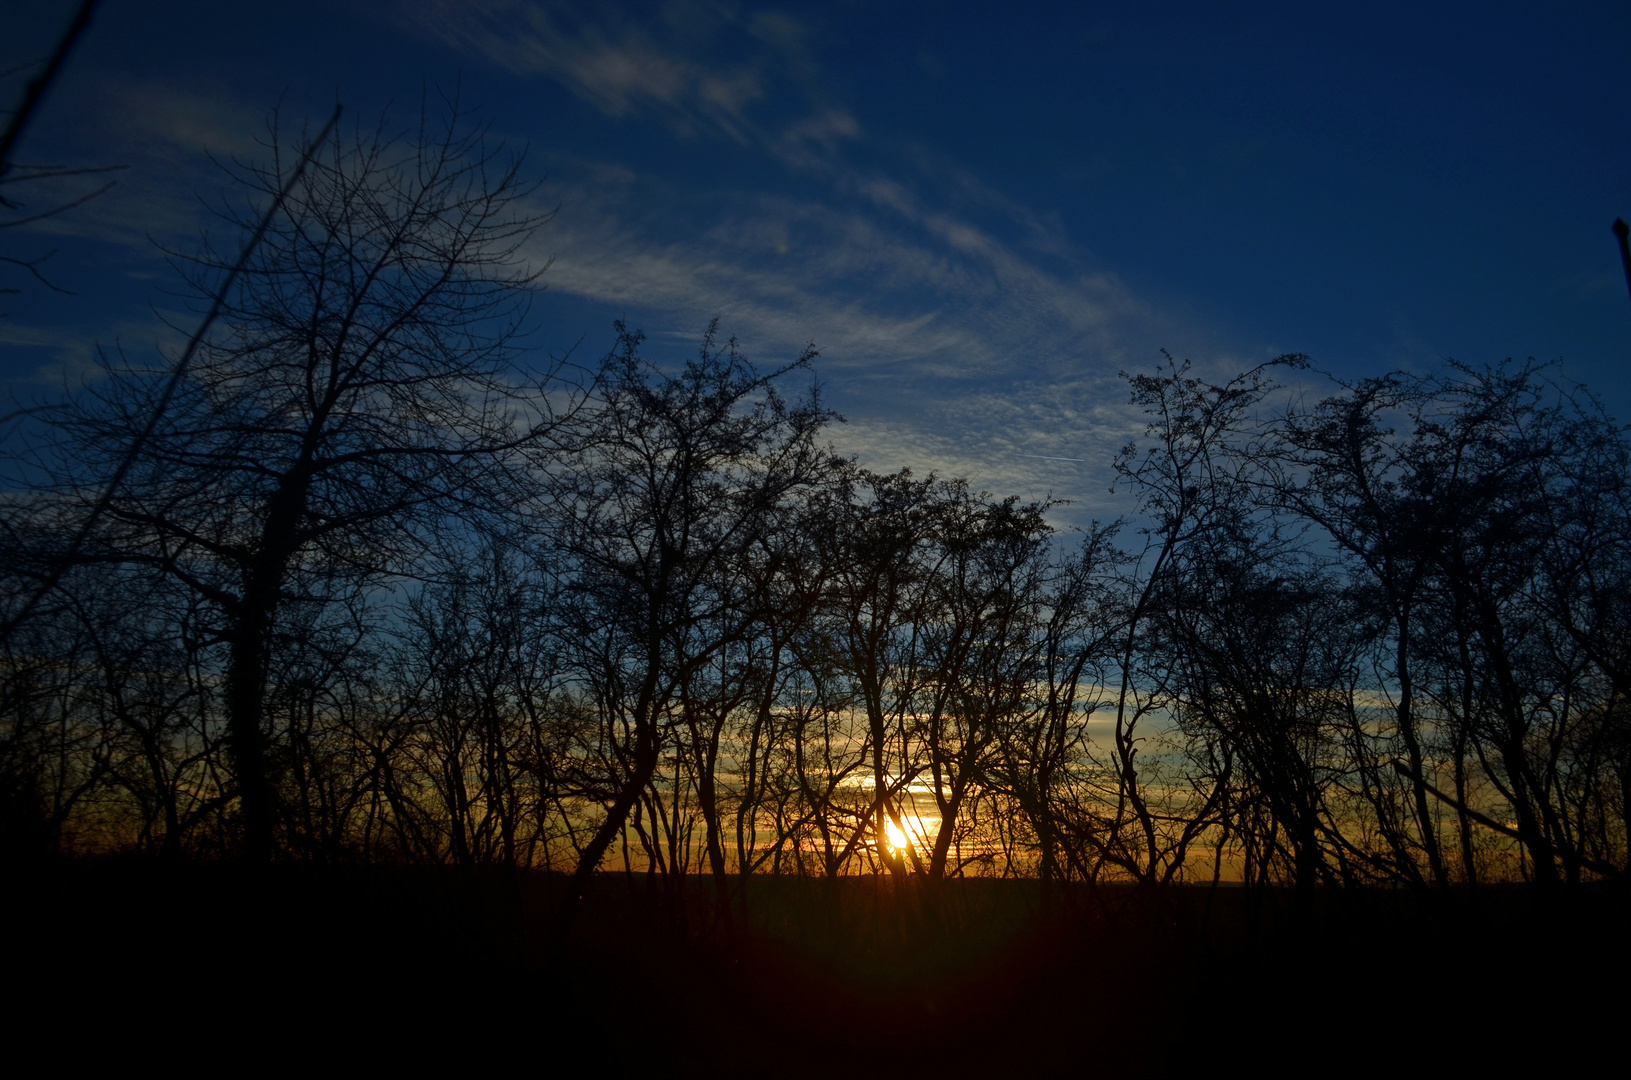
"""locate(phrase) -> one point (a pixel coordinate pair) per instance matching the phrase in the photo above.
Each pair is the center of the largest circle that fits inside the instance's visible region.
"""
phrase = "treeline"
(337, 584)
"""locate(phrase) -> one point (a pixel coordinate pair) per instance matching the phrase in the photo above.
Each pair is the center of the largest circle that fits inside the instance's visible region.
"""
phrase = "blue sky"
(979, 213)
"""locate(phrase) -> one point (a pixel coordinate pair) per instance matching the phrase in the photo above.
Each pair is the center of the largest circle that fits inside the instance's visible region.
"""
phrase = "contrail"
(1050, 457)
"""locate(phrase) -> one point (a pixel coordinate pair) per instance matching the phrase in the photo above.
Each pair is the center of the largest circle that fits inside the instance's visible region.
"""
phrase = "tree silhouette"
(357, 391)
(679, 479)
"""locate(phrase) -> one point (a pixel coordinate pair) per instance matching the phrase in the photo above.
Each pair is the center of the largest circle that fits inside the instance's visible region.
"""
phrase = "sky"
(981, 215)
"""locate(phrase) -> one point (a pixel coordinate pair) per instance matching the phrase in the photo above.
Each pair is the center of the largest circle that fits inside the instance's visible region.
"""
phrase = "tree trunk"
(942, 840)
(245, 689)
(645, 766)
(1407, 731)
(251, 620)
(707, 798)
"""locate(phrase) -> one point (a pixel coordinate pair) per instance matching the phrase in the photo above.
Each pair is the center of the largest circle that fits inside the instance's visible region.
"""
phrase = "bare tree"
(984, 641)
(1187, 479)
(1526, 482)
(876, 600)
(358, 389)
(1042, 751)
(1346, 472)
(681, 478)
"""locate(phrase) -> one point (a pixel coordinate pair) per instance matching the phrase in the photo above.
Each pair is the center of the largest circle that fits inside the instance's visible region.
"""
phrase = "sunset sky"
(979, 213)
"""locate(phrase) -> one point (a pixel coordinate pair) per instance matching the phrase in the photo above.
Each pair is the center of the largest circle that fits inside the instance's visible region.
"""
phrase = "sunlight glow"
(897, 839)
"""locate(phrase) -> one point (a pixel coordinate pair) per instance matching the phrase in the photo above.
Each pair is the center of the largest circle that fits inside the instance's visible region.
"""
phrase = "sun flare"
(897, 838)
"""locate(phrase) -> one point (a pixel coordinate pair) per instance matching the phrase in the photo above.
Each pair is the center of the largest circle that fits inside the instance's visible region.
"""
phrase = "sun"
(897, 839)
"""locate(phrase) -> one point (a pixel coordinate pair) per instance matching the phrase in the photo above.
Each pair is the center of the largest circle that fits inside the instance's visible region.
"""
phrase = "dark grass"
(209, 963)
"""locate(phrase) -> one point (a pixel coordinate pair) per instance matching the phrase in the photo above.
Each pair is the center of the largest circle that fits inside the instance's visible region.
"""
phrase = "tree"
(878, 533)
(1531, 531)
(1192, 483)
(358, 390)
(655, 517)
(1345, 471)
(474, 670)
(984, 647)
(1481, 515)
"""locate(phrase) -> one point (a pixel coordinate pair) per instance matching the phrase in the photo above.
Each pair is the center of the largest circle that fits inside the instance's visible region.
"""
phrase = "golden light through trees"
(383, 667)
(897, 839)
(365, 597)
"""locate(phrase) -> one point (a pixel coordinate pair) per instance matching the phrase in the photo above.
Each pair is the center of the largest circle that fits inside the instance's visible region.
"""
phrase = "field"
(809, 977)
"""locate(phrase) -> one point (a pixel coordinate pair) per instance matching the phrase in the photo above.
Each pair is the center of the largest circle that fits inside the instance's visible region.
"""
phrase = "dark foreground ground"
(205, 966)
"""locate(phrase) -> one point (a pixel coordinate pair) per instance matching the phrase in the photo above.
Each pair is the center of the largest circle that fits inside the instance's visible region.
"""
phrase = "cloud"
(54, 358)
(187, 121)
(163, 138)
(948, 348)
(675, 63)
(959, 330)
(813, 142)
(955, 341)
(925, 287)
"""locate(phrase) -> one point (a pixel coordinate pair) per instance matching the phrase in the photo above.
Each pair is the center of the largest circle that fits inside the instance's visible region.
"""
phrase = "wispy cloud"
(64, 357)
(948, 349)
(985, 346)
(960, 331)
(622, 65)
(163, 138)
